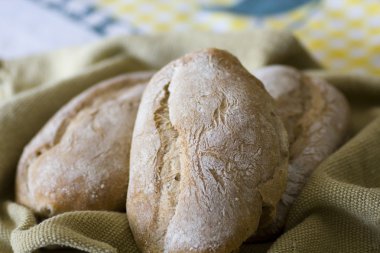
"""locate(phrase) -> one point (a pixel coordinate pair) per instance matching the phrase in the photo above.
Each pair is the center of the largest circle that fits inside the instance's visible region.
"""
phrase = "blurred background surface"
(343, 34)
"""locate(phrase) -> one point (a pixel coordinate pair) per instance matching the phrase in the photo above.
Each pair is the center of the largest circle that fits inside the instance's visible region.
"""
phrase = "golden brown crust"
(80, 158)
(217, 155)
(315, 116)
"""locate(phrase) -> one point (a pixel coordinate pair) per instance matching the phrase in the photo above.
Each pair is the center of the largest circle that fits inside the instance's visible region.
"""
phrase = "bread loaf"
(315, 115)
(80, 159)
(208, 154)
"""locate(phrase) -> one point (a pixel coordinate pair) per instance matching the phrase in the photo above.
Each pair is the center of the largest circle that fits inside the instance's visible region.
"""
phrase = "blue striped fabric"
(89, 16)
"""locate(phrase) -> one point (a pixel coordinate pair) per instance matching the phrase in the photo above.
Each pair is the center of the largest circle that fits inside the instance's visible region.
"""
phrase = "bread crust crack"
(167, 165)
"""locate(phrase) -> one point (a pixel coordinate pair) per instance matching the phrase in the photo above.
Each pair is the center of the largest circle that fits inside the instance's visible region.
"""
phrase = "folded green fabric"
(338, 210)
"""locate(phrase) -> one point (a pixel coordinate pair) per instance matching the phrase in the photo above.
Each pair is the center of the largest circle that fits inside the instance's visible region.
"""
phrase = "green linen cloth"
(338, 210)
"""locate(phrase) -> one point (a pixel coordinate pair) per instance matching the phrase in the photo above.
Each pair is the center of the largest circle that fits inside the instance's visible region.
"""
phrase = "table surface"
(343, 34)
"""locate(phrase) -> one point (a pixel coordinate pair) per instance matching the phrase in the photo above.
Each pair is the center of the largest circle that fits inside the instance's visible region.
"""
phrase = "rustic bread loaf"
(80, 159)
(315, 115)
(208, 154)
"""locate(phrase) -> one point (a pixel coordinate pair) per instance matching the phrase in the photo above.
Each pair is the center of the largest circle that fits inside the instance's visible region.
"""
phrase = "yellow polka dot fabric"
(343, 35)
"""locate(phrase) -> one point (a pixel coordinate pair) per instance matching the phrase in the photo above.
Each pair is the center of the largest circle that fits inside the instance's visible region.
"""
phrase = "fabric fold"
(337, 211)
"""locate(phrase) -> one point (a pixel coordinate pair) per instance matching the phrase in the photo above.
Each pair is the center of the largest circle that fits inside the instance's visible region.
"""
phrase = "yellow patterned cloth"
(343, 35)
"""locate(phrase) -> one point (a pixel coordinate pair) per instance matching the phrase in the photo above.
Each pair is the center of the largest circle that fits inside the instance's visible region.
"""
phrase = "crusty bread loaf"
(315, 115)
(80, 159)
(208, 154)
